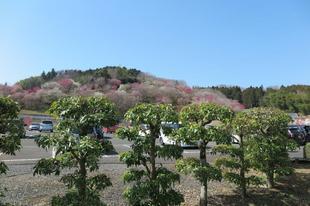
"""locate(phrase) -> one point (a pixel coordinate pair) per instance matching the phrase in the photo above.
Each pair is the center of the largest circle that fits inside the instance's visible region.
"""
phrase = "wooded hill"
(125, 87)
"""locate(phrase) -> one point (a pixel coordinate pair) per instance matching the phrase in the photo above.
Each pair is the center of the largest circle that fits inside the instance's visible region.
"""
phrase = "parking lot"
(30, 153)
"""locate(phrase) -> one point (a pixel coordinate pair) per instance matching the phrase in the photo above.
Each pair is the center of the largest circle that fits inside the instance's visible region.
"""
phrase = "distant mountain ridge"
(123, 86)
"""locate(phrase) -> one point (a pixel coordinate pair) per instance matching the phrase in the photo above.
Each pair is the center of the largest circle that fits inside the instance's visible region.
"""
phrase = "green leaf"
(133, 175)
(98, 182)
(47, 167)
(169, 152)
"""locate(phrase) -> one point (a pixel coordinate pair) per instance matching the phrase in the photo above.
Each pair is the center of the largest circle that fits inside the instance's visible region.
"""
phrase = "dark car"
(95, 132)
(307, 132)
(307, 128)
(297, 133)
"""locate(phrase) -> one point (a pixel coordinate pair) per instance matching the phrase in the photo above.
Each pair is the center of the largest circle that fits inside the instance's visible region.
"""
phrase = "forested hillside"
(125, 87)
(294, 98)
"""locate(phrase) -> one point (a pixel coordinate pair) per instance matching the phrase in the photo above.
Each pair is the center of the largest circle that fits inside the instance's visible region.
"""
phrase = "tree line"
(294, 98)
(148, 182)
(122, 73)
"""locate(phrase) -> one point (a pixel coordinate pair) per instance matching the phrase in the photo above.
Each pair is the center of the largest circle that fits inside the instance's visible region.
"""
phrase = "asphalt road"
(31, 153)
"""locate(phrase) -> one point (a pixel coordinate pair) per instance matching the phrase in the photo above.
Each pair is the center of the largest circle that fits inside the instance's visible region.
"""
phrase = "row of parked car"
(299, 133)
(47, 126)
(44, 126)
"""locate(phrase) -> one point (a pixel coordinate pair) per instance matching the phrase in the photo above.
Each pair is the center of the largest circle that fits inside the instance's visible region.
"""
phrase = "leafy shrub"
(127, 76)
(11, 130)
(81, 151)
(150, 183)
(31, 82)
(307, 150)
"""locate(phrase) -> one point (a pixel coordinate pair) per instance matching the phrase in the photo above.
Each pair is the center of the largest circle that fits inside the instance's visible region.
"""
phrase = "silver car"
(34, 127)
(46, 126)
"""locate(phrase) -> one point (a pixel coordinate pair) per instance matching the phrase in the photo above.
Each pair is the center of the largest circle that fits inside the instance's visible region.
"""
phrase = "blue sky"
(259, 42)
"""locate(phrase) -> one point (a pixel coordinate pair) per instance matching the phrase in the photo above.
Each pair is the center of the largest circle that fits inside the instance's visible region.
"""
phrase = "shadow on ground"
(291, 190)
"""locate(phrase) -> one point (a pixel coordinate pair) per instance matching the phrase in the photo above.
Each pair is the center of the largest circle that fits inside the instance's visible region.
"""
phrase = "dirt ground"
(25, 189)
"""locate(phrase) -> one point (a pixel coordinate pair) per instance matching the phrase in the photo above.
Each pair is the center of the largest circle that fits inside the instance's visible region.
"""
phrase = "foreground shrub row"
(263, 146)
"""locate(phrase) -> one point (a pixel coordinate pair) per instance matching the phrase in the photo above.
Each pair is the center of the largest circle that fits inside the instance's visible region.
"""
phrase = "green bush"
(307, 150)
(30, 82)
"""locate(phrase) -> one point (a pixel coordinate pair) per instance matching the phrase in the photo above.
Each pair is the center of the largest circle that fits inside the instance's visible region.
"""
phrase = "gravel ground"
(38, 190)
(24, 189)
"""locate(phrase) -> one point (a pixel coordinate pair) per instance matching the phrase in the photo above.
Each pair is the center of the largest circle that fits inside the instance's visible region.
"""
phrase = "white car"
(166, 140)
(46, 126)
(235, 139)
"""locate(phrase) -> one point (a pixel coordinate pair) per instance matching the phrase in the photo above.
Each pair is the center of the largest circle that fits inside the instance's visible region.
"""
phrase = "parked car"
(34, 127)
(46, 126)
(297, 133)
(166, 140)
(97, 133)
(235, 139)
(110, 129)
(306, 128)
(94, 132)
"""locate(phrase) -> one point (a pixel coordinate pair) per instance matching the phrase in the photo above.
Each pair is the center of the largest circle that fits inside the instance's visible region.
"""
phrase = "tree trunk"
(242, 170)
(155, 189)
(204, 187)
(203, 195)
(270, 179)
(152, 158)
(202, 154)
(243, 184)
(54, 152)
(82, 184)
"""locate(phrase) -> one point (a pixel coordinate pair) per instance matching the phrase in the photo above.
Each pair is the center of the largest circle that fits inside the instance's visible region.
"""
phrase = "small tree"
(196, 119)
(11, 130)
(77, 148)
(152, 185)
(237, 164)
(53, 73)
(43, 75)
(268, 143)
